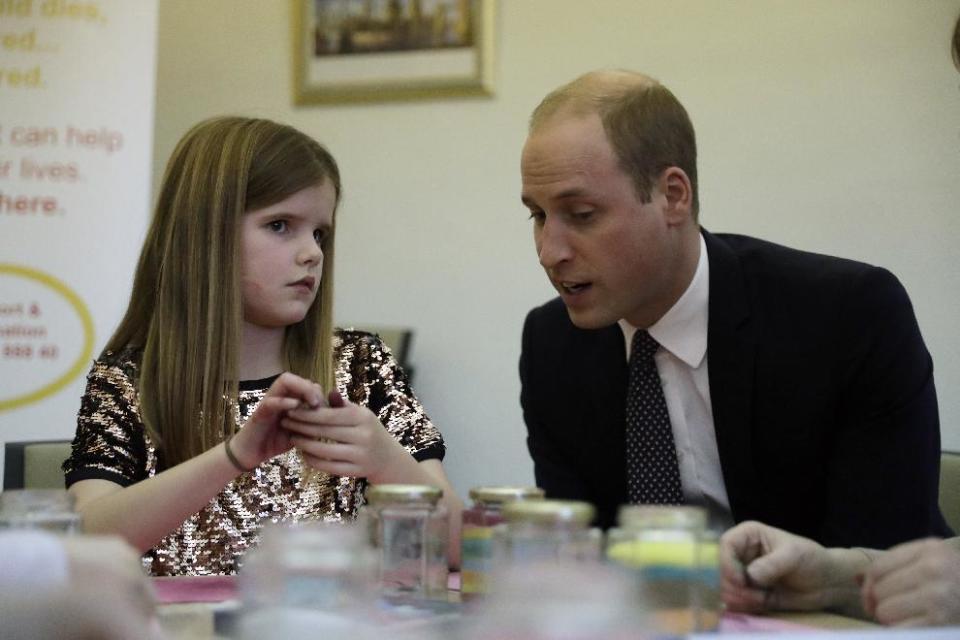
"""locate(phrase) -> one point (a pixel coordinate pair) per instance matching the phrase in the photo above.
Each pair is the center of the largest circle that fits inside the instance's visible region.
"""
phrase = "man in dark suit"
(768, 383)
(913, 584)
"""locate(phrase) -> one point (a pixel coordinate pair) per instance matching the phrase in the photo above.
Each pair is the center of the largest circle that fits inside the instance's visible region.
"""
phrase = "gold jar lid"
(501, 495)
(381, 494)
(549, 512)
(650, 516)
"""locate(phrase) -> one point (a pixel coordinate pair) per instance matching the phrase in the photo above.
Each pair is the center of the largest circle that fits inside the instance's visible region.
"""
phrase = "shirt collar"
(683, 328)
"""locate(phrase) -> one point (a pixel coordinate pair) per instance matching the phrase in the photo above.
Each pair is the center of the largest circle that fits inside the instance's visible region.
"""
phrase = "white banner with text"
(77, 85)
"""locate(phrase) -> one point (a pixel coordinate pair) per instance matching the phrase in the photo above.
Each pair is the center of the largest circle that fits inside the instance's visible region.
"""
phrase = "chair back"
(34, 464)
(950, 488)
(398, 339)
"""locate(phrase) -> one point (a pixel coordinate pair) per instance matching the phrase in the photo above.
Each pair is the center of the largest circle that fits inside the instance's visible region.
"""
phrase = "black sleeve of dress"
(109, 442)
(370, 375)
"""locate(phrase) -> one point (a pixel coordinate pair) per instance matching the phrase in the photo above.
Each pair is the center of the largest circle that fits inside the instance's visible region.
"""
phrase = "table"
(823, 620)
(190, 607)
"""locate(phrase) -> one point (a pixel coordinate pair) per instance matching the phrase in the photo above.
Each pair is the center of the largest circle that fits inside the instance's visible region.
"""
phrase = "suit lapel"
(605, 384)
(731, 355)
(607, 372)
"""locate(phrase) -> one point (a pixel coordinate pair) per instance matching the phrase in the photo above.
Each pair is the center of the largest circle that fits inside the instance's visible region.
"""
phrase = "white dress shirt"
(682, 365)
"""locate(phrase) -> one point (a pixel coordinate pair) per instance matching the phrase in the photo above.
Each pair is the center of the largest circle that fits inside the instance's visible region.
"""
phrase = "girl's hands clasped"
(345, 440)
(339, 437)
(262, 437)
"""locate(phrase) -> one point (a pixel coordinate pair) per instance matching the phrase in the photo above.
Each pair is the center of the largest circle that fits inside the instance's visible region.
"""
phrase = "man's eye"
(581, 216)
(279, 226)
(536, 216)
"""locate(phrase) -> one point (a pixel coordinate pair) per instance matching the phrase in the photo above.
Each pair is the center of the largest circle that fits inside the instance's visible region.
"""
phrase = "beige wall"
(828, 125)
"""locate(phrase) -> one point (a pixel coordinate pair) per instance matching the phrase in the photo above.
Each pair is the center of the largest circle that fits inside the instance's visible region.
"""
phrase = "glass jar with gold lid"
(674, 557)
(408, 528)
(546, 530)
(49, 509)
(310, 579)
(479, 521)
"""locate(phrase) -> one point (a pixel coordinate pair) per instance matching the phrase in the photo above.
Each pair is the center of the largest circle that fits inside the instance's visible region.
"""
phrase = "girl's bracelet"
(232, 458)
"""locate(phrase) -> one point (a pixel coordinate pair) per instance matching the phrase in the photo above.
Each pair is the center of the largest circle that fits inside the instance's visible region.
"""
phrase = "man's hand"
(763, 568)
(915, 584)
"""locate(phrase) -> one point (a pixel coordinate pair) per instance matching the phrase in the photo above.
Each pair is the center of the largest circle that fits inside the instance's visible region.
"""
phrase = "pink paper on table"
(453, 581)
(741, 622)
(195, 589)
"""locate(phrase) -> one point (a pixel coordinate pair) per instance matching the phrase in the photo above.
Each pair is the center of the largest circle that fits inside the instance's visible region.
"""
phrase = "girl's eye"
(279, 226)
(319, 235)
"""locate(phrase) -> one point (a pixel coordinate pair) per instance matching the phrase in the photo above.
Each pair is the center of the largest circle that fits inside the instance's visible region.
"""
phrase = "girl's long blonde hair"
(185, 308)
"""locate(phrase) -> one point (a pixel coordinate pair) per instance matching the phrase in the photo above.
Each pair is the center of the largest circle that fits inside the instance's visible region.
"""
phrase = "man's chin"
(589, 318)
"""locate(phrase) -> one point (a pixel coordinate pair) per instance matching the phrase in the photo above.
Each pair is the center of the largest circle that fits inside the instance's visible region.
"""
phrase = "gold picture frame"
(380, 50)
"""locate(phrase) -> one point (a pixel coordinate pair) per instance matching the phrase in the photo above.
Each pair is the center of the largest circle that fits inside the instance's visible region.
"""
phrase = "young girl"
(212, 394)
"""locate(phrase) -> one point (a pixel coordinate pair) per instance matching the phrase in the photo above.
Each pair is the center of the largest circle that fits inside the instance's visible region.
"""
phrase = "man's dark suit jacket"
(822, 390)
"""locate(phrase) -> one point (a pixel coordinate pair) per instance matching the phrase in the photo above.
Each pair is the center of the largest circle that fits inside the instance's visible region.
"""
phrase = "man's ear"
(674, 184)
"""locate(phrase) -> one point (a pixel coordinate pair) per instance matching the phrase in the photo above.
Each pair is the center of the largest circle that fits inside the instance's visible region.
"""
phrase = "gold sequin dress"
(111, 444)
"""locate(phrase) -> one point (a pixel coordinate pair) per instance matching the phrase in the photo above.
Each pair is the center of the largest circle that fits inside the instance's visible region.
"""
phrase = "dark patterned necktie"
(653, 475)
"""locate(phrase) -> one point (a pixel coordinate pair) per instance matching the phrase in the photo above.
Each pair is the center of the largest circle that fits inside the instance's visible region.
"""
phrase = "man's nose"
(553, 246)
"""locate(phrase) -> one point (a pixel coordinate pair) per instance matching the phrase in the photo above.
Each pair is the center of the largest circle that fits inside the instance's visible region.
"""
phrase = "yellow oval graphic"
(86, 321)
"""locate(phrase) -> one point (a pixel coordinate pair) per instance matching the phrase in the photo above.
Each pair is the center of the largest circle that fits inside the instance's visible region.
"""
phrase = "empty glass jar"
(47, 509)
(408, 528)
(546, 531)
(307, 579)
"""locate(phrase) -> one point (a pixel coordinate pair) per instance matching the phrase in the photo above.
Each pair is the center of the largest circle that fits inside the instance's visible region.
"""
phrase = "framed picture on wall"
(377, 50)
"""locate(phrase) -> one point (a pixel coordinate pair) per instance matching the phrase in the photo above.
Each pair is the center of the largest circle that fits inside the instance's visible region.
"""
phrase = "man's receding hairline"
(587, 93)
